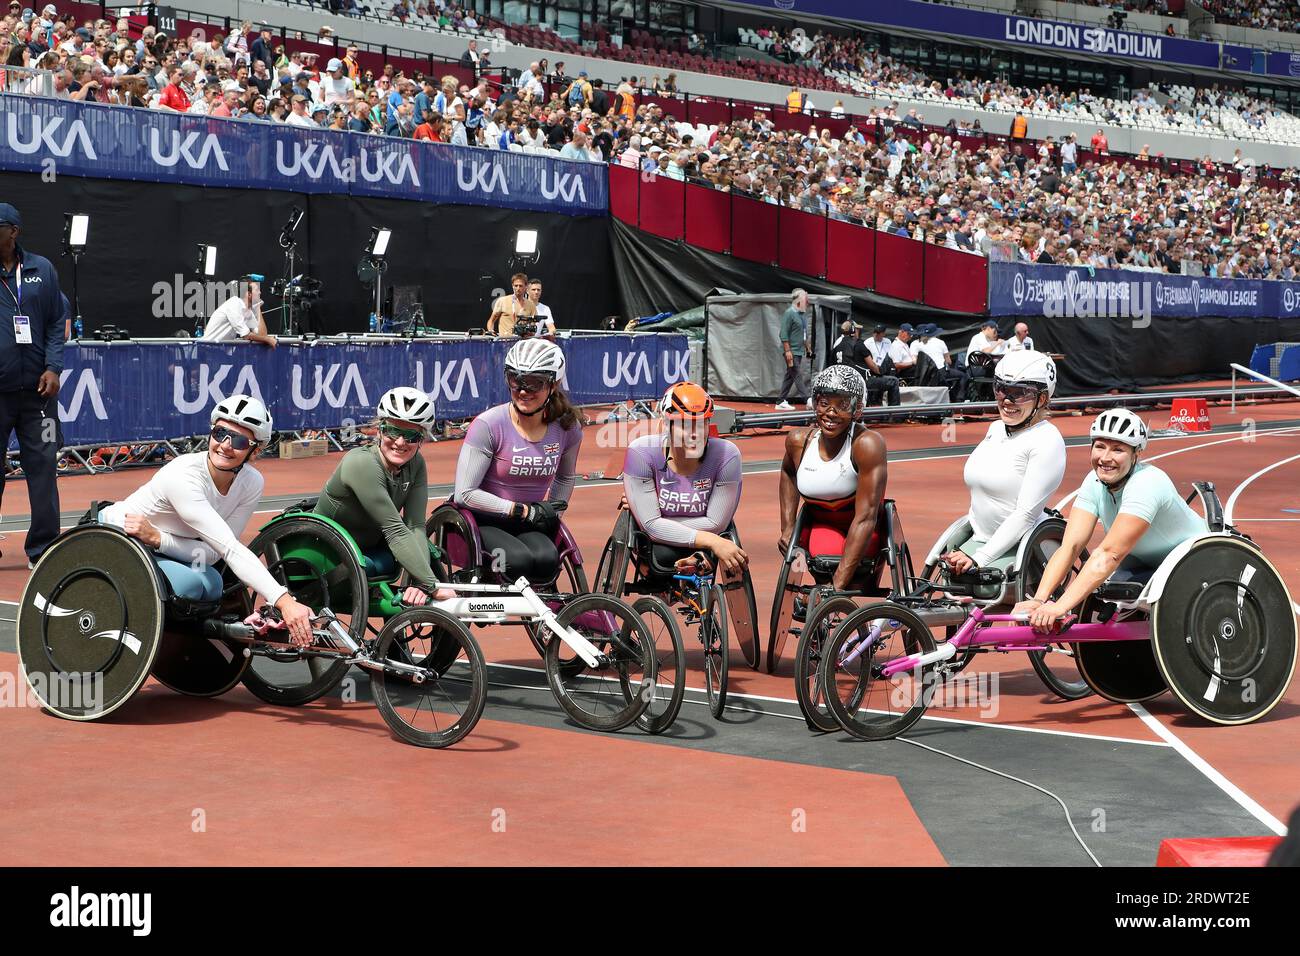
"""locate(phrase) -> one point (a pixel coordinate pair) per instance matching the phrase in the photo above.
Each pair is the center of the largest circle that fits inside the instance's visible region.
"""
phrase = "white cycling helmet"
(247, 411)
(841, 380)
(1027, 368)
(407, 404)
(1120, 424)
(535, 357)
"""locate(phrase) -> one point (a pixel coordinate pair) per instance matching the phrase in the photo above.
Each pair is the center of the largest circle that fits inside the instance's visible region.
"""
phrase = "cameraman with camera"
(240, 317)
(512, 310)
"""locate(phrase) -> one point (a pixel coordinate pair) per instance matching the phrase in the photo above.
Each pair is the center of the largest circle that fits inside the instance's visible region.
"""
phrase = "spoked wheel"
(442, 706)
(786, 603)
(320, 568)
(614, 694)
(1055, 667)
(830, 614)
(670, 665)
(571, 580)
(867, 703)
(713, 635)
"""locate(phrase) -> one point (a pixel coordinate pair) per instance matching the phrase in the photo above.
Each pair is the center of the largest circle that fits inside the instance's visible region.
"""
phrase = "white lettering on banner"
(302, 160)
(624, 373)
(485, 176)
(1092, 40)
(43, 135)
(384, 163)
(442, 376)
(680, 369)
(208, 390)
(565, 185)
(324, 387)
(86, 389)
(182, 148)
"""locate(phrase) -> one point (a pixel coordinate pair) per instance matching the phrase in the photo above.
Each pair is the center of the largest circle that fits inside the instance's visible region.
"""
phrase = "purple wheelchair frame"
(1020, 638)
(565, 543)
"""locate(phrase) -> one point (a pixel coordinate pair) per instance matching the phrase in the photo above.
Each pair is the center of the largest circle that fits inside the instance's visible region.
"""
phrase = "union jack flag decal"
(703, 484)
(551, 449)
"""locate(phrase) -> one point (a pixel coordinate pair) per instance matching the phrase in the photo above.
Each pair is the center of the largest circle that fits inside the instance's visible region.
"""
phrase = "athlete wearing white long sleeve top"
(1014, 470)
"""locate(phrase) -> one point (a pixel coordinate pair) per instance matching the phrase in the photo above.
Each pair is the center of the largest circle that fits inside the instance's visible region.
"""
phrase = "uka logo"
(43, 135)
(324, 387)
(183, 148)
(210, 388)
(567, 186)
(485, 177)
(447, 379)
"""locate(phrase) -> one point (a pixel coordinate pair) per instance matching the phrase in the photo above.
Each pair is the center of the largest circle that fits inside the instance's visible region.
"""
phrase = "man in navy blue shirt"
(32, 313)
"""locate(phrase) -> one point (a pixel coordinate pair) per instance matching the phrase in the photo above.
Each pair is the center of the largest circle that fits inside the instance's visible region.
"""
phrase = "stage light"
(207, 261)
(76, 227)
(526, 242)
(377, 245)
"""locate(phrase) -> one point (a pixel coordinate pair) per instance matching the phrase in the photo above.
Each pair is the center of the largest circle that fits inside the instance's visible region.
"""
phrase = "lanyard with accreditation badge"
(22, 323)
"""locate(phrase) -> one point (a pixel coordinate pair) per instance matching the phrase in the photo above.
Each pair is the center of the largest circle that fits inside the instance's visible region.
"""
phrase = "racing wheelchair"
(719, 604)
(806, 604)
(98, 617)
(1214, 625)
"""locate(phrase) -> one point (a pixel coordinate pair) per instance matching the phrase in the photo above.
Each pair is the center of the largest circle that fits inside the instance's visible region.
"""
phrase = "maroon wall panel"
(623, 186)
(957, 281)
(802, 242)
(753, 230)
(708, 218)
(849, 259)
(662, 206)
(898, 267)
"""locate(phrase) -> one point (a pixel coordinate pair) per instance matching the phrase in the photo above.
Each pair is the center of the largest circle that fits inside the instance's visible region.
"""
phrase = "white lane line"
(1201, 764)
(1232, 499)
(1178, 451)
(945, 720)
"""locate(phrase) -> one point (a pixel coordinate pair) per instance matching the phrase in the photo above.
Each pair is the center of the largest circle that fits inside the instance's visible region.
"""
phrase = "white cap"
(334, 64)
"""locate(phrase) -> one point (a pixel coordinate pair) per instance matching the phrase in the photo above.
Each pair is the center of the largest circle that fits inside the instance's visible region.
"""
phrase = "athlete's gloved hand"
(544, 516)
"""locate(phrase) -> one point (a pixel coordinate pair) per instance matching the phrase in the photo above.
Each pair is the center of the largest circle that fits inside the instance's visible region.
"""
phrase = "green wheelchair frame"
(323, 566)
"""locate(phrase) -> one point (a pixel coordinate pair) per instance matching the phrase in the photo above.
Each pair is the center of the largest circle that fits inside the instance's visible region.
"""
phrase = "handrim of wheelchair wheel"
(613, 695)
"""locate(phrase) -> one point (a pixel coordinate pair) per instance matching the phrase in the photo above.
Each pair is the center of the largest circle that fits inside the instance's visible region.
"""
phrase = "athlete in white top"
(1014, 470)
(195, 507)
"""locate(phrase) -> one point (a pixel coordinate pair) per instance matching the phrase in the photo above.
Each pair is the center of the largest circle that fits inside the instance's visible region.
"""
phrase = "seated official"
(240, 317)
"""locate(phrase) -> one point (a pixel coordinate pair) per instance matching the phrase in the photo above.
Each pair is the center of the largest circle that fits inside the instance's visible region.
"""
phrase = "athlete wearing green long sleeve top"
(379, 493)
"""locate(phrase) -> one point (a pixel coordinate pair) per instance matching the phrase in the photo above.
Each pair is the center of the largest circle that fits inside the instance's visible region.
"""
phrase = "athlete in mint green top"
(1150, 495)
(1141, 511)
(383, 510)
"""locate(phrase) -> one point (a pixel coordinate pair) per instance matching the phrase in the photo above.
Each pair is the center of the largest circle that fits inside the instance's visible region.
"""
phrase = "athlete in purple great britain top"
(682, 486)
(519, 459)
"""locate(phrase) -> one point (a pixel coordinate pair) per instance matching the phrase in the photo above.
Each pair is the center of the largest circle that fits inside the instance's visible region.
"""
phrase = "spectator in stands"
(794, 100)
(469, 59)
(298, 115)
(173, 95)
(579, 92)
(901, 359)
(795, 345)
(1021, 339)
(337, 87)
(401, 11)
(1099, 143)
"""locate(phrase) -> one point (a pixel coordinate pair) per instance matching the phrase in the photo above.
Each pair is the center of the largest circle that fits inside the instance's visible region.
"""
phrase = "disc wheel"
(1056, 667)
(614, 694)
(807, 665)
(794, 571)
(320, 568)
(443, 707)
(670, 665)
(864, 701)
(713, 638)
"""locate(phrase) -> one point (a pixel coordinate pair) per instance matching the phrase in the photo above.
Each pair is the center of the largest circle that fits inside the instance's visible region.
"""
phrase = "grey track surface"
(1140, 793)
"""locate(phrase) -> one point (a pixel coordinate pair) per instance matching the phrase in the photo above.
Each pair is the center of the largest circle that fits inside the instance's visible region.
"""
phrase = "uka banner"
(61, 137)
(127, 392)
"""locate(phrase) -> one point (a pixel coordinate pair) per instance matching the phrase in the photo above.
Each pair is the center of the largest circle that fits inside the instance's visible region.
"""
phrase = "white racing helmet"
(244, 410)
(406, 404)
(1122, 425)
(1027, 368)
(535, 357)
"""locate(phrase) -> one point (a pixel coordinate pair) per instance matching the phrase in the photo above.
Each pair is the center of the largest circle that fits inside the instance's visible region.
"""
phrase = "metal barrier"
(19, 79)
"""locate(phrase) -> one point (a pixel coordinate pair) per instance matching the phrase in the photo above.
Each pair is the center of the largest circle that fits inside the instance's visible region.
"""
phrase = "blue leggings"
(188, 583)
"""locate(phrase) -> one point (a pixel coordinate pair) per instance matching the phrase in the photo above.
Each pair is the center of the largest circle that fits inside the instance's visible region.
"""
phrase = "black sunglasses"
(527, 384)
(237, 441)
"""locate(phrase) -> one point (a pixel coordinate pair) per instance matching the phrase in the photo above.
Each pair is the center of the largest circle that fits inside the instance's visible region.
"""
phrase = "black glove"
(544, 516)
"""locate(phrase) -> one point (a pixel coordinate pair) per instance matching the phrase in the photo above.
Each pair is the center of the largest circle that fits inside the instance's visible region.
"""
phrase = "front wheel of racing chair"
(453, 531)
(321, 566)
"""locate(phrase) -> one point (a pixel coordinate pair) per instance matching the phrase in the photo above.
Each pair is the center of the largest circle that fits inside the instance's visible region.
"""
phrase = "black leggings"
(514, 548)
